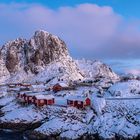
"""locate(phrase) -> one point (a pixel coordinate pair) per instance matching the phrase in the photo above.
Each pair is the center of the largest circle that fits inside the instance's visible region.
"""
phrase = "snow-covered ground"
(23, 115)
(44, 60)
(6, 100)
(107, 118)
(120, 118)
(125, 89)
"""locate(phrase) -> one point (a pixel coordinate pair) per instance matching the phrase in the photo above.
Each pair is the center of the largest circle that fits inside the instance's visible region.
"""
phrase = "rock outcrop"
(4, 73)
(44, 57)
(29, 57)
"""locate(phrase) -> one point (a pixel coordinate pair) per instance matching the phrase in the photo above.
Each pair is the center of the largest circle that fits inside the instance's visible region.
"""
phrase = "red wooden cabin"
(28, 98)
(41, 100)
(79, 102)
(25, 97)
(59, 86)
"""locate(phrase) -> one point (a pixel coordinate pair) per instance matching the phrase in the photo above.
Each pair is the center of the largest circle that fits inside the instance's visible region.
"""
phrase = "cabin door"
(75, 103)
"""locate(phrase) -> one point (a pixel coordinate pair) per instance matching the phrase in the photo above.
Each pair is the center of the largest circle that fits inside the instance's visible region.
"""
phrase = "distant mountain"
(96, 69)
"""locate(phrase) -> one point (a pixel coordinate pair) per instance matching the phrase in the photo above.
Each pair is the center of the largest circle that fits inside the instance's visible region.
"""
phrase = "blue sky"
(127, 8)
(94, 29)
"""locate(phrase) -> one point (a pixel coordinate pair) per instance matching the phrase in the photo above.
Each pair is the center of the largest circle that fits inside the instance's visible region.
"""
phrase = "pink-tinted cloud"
(134, 71)
(89, 30)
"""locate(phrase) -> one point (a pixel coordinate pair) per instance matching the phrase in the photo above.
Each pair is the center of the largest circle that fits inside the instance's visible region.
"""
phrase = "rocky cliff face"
(40, 50)
(41, 58)
(4, 73)
(23, 58)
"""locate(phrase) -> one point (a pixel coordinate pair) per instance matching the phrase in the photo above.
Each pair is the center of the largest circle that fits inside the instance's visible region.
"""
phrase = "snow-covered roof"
(38, 86)
(11, 84)
(44, 96)
(63, 84)
(27, 92)
(25, 84)
(21, 93)
(77, 98)
(32, 93)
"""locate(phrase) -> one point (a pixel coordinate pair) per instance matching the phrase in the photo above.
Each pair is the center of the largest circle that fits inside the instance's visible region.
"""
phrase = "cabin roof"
(44, 96)
(63, 84)
(21, 93)
(38, 86)
(25, 84)
(32, 92)
(77, 98)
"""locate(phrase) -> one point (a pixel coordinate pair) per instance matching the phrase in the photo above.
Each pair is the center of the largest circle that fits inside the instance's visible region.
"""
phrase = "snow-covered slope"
(125, 89)
(64, 69)
(104, 119)
(44, 57)
(95, 69)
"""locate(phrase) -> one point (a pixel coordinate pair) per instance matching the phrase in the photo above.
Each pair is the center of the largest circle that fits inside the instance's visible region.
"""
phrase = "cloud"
(134, 71)
(124, 66)
(89, 30)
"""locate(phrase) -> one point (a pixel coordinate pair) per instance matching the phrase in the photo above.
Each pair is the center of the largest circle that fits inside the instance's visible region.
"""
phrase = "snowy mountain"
(96, 69)
(26, 59)
(45, 57)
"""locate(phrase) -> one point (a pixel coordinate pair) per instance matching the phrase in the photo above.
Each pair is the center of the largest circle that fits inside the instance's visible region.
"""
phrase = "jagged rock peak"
(48, 45)
(33, 56)
(42, 49)
(15, 42)
(38, 32)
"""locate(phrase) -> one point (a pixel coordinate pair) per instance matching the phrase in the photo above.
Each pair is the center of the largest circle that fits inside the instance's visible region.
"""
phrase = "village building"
(21, 97)
(28, 98)
(41, 100)
(59, 86)
(62, 86)
(25, 86)
(12, 85)
(38, 88)
(25, 97)
(79, 101)
(13, 90)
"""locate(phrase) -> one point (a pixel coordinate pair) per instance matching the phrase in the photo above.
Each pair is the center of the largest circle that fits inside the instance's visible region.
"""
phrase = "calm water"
(10, 136)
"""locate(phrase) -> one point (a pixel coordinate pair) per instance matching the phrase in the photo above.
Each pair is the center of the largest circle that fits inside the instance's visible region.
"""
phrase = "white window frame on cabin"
(42, 101)
(79, 102)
